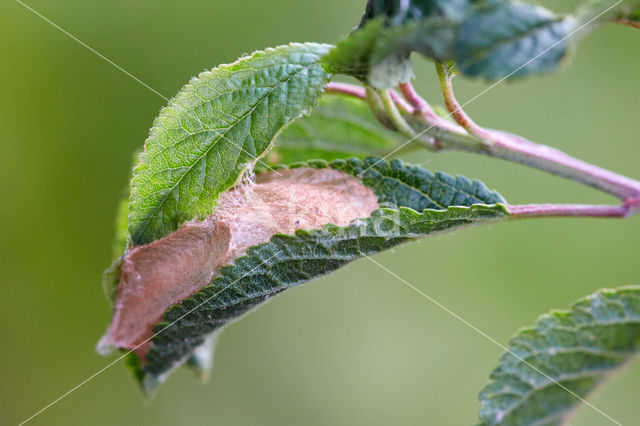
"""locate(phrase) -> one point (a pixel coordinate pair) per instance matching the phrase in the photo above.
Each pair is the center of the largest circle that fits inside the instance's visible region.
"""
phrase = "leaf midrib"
(563, 378)
(414, 189)
(436, 180)
(484, 53)
(158, 208)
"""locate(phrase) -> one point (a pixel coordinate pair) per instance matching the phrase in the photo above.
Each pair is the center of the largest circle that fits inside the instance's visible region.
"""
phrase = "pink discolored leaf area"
(159, 274)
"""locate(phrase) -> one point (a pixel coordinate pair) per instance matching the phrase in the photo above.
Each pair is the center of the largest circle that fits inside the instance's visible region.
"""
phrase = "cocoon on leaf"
(159, 274)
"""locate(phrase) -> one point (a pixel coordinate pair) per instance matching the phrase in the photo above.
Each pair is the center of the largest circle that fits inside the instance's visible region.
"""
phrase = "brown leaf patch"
(156, 275)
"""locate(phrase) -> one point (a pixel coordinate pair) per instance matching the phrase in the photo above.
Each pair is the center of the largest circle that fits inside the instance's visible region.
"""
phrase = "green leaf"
(417, 203)
(397, 12)
(339, 127)
(219, 124)
(121, 240)
(121, 236)
(579, 348)
(201, 360)
(111, 279)
(491, 39)
(391, 58)
(380, 55)
(512, 39)
(379, 51)
(111, 276)
(352, 55)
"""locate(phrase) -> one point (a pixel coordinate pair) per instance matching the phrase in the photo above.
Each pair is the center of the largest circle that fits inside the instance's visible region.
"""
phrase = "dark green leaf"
(220, 123)
(391, 58)
(352, 55)
(339, 127)
(417, 203)
(397, 12)
(379, 51)
(201, 360)
(380, 55)
(111, 279)
(121, 237)
(514, 40)
(490, 39)
(579, 348)
(111, 276)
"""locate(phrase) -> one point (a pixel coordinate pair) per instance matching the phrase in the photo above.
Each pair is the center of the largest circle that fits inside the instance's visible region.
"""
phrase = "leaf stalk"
(468, 136)
(567, 210)
(458, 114)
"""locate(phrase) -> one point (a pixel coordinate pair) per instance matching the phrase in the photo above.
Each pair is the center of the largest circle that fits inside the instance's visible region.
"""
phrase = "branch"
(423, 109)
(346, 89)
(517, 149)
(469, 136)
(567, 210)
(456, 110)
(361, 93)
(400, 102)
(378, 109)
(391, 109)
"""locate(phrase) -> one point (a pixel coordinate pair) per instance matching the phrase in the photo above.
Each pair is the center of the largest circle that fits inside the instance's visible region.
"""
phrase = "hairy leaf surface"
(339, 127)
(380, 55)
(514, 40)
(415, 203)
(579, 348)
(379, 51)
(397, 12)
(352, 55)
(490, 39)
(220, 123)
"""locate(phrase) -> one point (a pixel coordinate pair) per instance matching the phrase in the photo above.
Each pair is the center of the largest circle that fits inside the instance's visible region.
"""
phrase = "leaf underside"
(488, 39)
(397, 12)
(579, 348)
(416, 203)
(219, 124)
(511, 41)
(339, 127)
(380, 55)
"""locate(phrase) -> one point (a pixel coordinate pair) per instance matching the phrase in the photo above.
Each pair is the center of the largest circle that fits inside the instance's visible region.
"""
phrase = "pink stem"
(347, 89)
(361, 93)
(421, 106)
(423, 109)
(515, 148)
(456, 110)
(508, 146)
(567, 210)
(401, 103)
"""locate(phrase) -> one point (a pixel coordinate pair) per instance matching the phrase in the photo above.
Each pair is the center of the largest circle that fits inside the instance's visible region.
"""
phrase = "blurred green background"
(354, 348)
